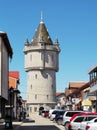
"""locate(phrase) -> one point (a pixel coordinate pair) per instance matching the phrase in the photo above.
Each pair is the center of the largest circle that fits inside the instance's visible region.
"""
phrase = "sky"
(73, 22)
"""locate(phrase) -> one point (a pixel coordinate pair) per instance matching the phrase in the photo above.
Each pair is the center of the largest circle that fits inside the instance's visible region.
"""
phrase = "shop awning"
(86, 102)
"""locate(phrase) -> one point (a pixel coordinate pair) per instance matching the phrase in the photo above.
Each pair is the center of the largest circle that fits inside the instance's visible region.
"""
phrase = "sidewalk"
(15, 125)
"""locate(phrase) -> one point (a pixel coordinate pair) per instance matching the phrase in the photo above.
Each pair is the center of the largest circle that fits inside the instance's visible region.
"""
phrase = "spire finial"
(41, 17)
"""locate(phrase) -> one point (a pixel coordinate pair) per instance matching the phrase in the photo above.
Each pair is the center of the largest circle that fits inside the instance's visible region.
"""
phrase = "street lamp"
(11, 102)
(20, 105)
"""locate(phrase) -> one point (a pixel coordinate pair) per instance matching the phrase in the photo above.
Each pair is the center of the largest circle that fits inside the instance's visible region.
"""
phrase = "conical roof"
(42, 36)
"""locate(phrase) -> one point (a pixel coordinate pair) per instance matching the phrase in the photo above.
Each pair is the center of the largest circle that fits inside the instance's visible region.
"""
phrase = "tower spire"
(41, 17)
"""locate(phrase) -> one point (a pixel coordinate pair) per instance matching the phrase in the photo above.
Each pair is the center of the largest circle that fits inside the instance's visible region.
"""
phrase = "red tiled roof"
(14, 74)
(60, 93)
(76, 84)
(84, 86)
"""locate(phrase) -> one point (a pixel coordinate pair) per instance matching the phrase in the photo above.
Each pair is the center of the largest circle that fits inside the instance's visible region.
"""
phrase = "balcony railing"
(93, 82)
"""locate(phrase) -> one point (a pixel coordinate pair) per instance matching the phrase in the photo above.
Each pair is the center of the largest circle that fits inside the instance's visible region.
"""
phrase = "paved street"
(35, 122)
(44, 123)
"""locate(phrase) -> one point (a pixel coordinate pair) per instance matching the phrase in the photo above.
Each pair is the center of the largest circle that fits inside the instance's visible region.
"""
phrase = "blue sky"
(74, 22)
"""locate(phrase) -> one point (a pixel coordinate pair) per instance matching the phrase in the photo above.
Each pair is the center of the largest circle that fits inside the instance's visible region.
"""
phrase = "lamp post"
(11, 103)
(20, 105)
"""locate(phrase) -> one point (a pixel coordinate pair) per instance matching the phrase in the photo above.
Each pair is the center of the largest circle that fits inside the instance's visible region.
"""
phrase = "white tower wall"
(41, 87)
(40, 58)
(41, 64)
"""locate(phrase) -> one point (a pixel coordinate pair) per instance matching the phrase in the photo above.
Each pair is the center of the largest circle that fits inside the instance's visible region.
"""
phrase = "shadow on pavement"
(2, 127)
(29, 120)
(46, 127)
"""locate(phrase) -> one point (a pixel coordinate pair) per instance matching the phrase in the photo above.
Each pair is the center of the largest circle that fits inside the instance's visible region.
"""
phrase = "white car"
(53, 114)
(75, 124)
(91, 126)
(67, 115)
(84, 123)
(50, 112)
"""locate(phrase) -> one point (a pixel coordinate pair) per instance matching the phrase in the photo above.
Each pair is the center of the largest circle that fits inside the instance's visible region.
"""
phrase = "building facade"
(74, 95)
(14, 80)
(93, 86)
(61, 99)
(5, 53)
(41, 65)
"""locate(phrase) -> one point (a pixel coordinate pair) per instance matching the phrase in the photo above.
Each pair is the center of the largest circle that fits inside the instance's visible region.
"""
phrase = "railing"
(93, 82)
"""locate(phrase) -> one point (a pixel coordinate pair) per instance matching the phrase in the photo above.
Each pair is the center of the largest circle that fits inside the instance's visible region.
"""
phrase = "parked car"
(91, 126)
(75, 122)
(42, 112)
(84, 123)
(50, 112)
(59, 116)
(67, 115)
(83, 113)
(53, 114)
(46, 113)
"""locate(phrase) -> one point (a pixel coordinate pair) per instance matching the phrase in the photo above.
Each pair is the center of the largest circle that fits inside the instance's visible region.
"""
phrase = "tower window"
(30, 57)
(31, 86)
(47, 96)
(35, 76)
(35, 96)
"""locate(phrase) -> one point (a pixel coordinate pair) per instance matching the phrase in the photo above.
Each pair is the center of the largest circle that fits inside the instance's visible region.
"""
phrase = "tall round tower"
(41, 64)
